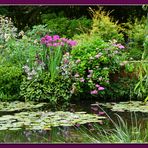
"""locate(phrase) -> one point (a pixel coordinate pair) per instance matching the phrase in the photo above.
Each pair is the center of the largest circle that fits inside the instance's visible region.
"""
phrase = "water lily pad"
(41, 120)
(16, 128)
(132, 106)
(16, 106)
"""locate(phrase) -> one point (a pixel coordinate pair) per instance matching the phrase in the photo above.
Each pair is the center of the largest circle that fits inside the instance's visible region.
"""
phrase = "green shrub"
(66, 27)
(136, 36)
(10, 80)
(94, 61)
(20, 51)
(42, 89)
(104, 26)
(7, 29)
(37, 32)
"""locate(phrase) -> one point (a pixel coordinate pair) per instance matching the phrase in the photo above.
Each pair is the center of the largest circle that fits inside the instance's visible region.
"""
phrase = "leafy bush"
(37, 32)
(136, 36)
(45, 81)
(94, 61)
(41, 89)
(10, 80)
(19, 51)
(141, 88)
(66, 27)
(7, 29)
(104, 26)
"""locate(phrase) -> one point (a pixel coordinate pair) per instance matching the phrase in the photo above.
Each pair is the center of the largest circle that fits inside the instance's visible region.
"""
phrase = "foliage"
(65, 26)
(37, 32)
(94, 61)
(136, 35)
(7, 29)
(121, 132)
(141, 87)
(141, 68)
(42, 88)
(121, 88)
(10, 80)
(20, 51)
(104, 26)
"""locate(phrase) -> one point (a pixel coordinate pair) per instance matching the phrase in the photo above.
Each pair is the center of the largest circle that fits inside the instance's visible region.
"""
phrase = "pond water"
(62, 133)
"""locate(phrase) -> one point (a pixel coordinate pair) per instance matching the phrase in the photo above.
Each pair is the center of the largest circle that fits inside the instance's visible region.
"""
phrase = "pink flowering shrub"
(94, 61)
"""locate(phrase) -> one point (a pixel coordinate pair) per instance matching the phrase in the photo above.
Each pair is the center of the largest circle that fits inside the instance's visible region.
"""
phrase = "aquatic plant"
(41, 120)
(119, 132)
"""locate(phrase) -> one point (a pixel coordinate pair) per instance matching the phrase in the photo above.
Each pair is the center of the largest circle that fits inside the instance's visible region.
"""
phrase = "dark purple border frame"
(73, 2)
(72, 145)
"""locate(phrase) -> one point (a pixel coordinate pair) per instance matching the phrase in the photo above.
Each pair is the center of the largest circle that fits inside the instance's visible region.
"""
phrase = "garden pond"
(34, 123)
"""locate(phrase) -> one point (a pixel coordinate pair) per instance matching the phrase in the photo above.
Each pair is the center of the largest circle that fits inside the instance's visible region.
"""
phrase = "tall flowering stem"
(54, 48)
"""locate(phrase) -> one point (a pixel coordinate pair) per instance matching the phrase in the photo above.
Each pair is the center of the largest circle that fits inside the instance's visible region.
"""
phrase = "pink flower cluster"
(55, 41)
(119, 46)
(98, 55)
(98, 88)
(90, 73)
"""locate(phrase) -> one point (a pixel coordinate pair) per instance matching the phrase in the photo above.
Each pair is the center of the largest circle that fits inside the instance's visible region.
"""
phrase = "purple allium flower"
(48, 38)
(101, 88)
(43, 40)
(72, 43)
(62, 43)
(78, 61)
(82, 80)
(56, 37)
(97, 85)
(55, 44)
(64, 39)
(94, 92)
(48, 44)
